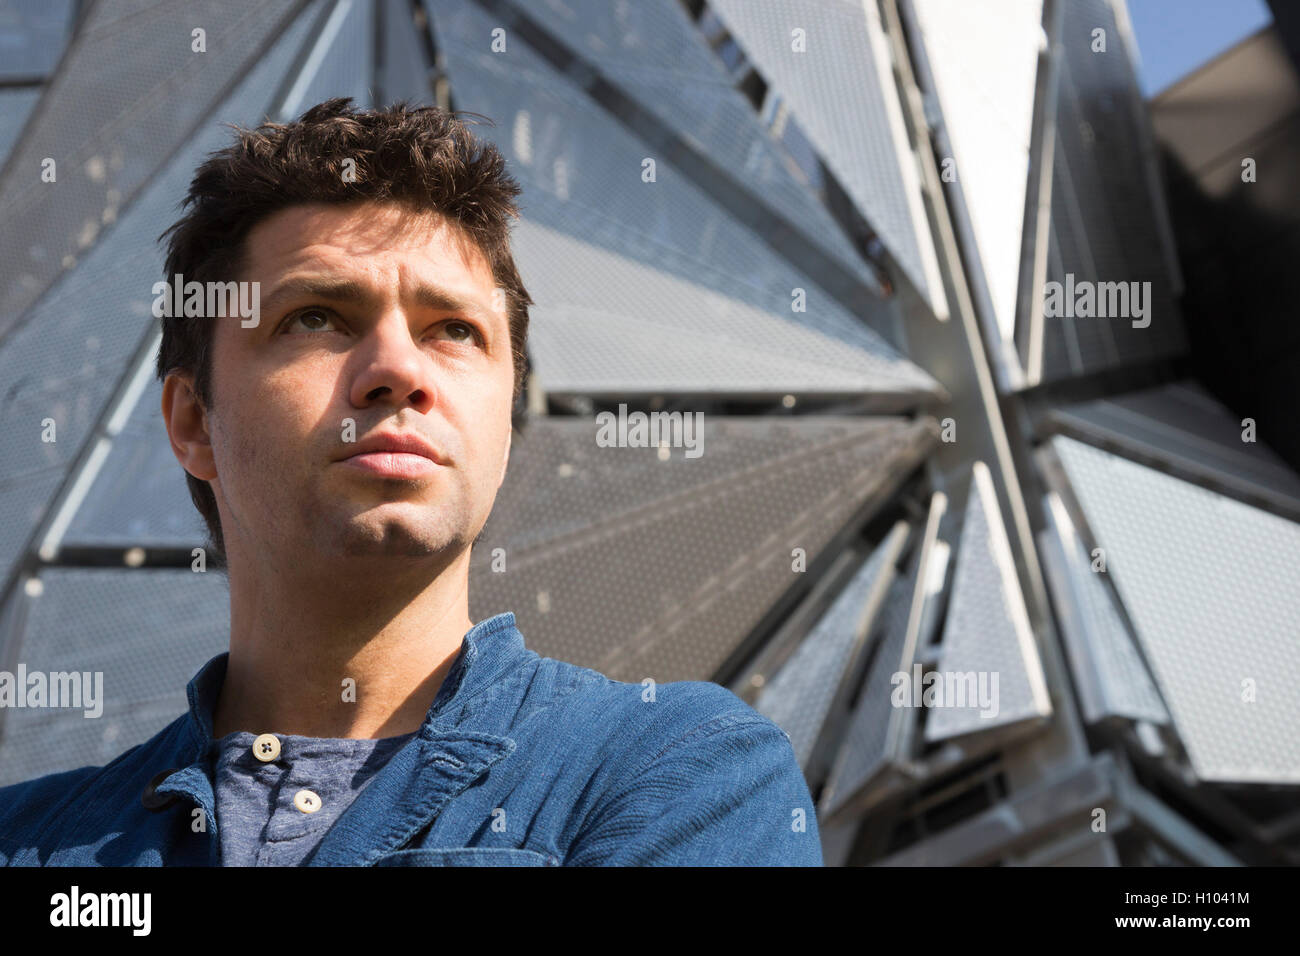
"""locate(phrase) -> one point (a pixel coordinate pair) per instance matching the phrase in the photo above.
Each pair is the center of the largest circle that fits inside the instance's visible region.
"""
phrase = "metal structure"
(1013, 583)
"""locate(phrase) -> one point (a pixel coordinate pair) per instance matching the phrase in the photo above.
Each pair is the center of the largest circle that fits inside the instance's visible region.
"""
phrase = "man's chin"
(374, 536)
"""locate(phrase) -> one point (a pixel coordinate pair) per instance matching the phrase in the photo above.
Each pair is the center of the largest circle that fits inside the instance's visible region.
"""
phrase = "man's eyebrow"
(348, 290)
(434, 297)
(338, 290)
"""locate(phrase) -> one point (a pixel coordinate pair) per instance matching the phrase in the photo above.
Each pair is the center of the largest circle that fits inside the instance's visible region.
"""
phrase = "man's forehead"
(317, 233)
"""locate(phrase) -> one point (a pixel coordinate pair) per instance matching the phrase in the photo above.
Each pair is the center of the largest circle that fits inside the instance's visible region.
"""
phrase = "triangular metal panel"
(22, 503)
(15, 106)
(987, 631)
(341, 61)
(602, 252)
(127, 626)
(1210, 586)
(100, 15)
(842, 92)
(877, 734)
(140, 497)
(638, 565)
(601, 328)
(404, 73)
(142, 500)
(800, 697)
(64, 361)
(653, 52)
(32, 36)
(1111, 677)
(1107, 211)
(1182, 429)
(128, 93)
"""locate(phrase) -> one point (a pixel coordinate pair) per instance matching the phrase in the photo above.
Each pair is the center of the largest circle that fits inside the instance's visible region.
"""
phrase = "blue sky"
(1176, 36)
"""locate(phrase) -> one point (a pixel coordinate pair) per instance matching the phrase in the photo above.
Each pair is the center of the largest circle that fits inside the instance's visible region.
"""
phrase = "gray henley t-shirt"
(276, 813)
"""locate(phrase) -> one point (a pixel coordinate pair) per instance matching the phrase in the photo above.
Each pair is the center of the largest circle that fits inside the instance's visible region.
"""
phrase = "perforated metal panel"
(654, 53)
(987, 630)
(1109, 673)
(340, 62)
(646, 286)
(142, 499)
(1060, 344)
(129, 91)
(62, 364)
(601, 325)
(1183, 429)
(15, 106)
(842, 92)
(404, 72)
(22, 503)
(867, 744)
(878, 733)
(640, 567)
(148, 632)
(984, 60)
(1210, 586)
(800, 696)
(1105, 213)
(140, 496)
(32, 36)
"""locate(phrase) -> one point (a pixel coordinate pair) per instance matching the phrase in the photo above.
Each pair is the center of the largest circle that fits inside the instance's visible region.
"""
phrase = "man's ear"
(187, 426)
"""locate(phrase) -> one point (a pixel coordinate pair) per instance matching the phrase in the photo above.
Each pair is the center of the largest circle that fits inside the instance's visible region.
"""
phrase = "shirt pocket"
(466, 856)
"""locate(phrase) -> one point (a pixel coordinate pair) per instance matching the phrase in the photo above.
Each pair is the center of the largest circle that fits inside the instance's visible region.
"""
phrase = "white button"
(266, 747)
(306, 801)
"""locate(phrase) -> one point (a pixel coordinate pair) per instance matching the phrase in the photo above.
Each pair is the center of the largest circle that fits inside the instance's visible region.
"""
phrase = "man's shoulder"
(20, 800)
(675, 773)
(647, 716)
(28, 807)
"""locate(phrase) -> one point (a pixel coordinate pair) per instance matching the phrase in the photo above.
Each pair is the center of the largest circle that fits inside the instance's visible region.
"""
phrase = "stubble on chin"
(369, 533)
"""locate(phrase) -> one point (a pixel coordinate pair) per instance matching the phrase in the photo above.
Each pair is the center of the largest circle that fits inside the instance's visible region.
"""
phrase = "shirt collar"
(487, 651)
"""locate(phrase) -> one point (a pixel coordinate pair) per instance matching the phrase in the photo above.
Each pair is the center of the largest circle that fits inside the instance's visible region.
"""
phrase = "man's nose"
(395, 368)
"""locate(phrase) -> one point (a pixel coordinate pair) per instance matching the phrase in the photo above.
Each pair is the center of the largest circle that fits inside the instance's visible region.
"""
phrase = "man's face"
(383, 317)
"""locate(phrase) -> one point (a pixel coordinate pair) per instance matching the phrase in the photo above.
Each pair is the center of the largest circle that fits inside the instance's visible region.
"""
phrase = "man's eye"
(312, 320)
(460, 331)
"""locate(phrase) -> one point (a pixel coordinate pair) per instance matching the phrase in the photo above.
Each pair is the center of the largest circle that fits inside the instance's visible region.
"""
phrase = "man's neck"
(339, 658)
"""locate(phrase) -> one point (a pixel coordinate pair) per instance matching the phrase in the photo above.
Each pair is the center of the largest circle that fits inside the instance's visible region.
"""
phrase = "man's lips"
(390, 464)
(395, 455)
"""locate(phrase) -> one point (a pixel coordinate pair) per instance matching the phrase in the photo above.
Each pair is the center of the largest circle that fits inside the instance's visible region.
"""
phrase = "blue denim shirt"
(522, 760)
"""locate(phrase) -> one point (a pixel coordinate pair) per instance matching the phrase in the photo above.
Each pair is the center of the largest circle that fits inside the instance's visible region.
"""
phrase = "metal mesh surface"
(64, 361)
(1109, 672)
(140, 496)
(1104, 213)
(22, 503)
(32, 36)
(865, 749)
(147, 631)
(340, 62)
(842, 92)
(603, 253)
(654, 53)
(800, 695)
(1187, 431)
(1210, 586)
(15, 106)
(640, 566)
(129, 91)
(404, 73)
(141, 499)
(987, 629)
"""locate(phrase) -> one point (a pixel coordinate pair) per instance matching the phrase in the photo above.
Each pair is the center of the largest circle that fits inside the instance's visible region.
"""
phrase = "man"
(345, 445)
